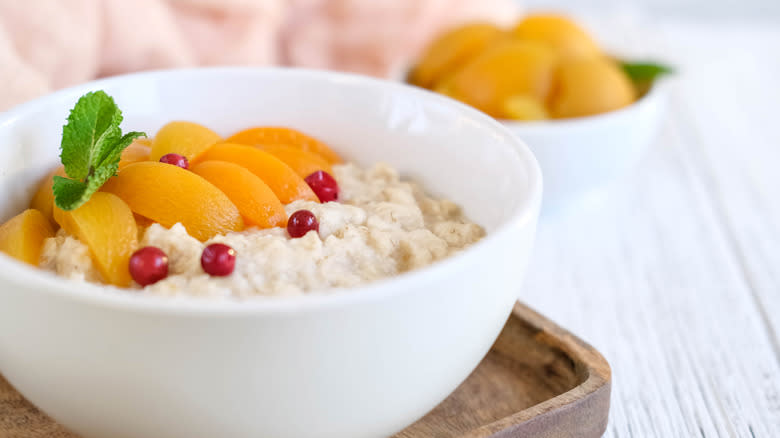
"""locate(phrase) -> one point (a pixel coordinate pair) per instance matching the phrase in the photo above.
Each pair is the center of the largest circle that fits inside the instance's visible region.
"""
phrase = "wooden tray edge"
(580, 412)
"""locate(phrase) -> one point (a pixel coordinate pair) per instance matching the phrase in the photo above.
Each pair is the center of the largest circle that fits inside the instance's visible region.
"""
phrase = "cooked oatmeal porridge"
(381, 226)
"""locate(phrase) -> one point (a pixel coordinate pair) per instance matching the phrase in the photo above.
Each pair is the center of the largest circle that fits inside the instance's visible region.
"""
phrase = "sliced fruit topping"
(183, 138)
(256, 202)
(148, 265)
(560, 33)
(169, 194)
(451, 50)
(590, 86)
(304, 163)
(506, 69)
(137, 151)
(284, 182)
(106, 225)
(274, 135)
(176, 160)
(43, 200)
(218, 260)
(23, 235)
(324, 185)
(301, 222)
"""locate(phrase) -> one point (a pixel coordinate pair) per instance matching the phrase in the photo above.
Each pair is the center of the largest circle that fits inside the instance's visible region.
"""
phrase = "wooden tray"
(537, 381)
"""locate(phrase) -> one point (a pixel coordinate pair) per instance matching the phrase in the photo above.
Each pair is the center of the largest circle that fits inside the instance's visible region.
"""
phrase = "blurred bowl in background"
(582, 155)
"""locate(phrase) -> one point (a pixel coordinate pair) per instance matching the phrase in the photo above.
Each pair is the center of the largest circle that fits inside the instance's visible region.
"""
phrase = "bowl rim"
(14, 272)
(652, 95)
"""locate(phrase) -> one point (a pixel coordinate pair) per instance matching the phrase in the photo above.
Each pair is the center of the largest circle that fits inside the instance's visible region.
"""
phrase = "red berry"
(324, 185)
(218, 259)
(301, 222)
(148, 265)
(176, 160)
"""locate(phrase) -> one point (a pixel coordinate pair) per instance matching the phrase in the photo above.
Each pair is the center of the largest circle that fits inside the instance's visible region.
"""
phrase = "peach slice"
(106, 225)
(169, 194)
(452, 50)
(43, 200)
(23, 235)
(183, 138)
(271, 135)
(137, 151)
(255, 200)
(304, 163)
(283, 180)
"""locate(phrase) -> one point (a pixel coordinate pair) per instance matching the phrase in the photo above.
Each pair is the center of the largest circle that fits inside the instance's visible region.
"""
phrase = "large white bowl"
(584, 155)
(363, 362)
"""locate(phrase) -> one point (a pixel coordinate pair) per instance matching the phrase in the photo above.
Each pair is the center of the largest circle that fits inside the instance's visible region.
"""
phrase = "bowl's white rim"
(18, 273)
(652, 95)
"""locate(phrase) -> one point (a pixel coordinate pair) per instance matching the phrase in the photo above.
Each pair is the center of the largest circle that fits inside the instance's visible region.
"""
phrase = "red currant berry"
(324, 185)
(301, 222)
(218, 259)
(176, 160)
(148, 265)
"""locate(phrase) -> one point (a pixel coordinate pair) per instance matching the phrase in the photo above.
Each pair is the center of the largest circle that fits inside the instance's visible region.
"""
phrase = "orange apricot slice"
(168, 195)
(588, 86)
(23, 235)
(560, 33)
(256, 201)
(451, 50)
(304, 163)
(143, 141)
(285, 183)
(43, 200)
(137, 151)
(272, 135)
(508, 69)
(106, 225)
(183, 138)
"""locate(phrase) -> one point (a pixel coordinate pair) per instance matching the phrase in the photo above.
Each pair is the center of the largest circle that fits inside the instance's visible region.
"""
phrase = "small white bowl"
(363, 362)
(582, 155)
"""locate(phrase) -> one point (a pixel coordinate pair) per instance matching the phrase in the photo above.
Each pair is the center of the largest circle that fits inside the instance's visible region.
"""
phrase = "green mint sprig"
(92, 144)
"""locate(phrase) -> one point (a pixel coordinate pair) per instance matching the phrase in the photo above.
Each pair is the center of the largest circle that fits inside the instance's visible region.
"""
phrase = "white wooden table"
(675, 274)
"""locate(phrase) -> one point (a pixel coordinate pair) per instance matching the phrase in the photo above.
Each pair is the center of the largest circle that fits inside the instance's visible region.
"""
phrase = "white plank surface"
(675, 274)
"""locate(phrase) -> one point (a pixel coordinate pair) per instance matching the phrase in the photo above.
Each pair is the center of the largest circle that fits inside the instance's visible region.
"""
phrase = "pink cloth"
(49, 44)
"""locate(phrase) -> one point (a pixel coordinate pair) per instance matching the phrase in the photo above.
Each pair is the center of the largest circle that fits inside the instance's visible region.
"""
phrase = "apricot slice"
(183, 138)
(525, 108)
(588, 86)
(169, 194)
(273, 135)
(560, 33)
(143, 141)
(106, 225)
(256, 201)
(285, 183)
(451, 50)
(507, 69)
(23, 235)
(304, 163)
(43, 200)
(137, 151)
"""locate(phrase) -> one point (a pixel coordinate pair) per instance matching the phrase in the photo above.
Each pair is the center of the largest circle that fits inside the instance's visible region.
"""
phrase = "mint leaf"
(92, 144)
(644, 71)
(69, 193)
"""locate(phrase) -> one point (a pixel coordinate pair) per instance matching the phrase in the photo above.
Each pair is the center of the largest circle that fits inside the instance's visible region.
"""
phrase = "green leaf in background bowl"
(643, 74)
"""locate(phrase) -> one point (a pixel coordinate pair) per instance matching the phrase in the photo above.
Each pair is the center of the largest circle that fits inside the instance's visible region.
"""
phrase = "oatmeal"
(381, 226)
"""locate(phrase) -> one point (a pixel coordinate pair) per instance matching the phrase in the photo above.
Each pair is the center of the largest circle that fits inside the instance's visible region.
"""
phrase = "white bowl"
(363, 362)
(583, 155)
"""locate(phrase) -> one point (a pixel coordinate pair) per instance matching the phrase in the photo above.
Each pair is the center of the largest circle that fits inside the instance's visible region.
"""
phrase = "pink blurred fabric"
(50, 44)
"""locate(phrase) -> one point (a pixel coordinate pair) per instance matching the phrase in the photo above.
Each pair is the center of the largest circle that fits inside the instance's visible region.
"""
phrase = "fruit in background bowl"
(547, 66)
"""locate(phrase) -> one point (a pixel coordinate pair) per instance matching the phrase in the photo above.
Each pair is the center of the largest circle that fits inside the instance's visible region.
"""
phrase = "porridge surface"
(381, 226)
